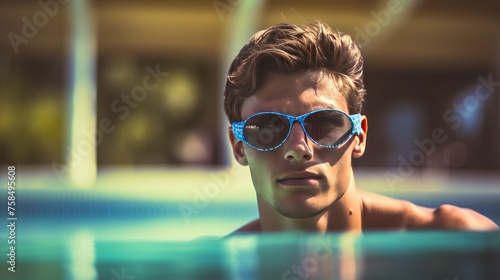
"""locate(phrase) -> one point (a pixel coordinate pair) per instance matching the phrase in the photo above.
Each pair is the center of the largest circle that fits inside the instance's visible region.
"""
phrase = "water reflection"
(295, 256)
(371, 255)
(81, 257)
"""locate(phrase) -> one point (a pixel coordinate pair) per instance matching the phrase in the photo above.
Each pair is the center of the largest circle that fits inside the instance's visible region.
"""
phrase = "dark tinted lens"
(266, 131)
(328, 127)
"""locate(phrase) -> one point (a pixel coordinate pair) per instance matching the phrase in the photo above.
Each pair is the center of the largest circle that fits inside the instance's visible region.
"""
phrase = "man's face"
(299, 179)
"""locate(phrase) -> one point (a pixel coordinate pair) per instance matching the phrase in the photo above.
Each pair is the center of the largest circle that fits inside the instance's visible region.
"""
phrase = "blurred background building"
(424, 62)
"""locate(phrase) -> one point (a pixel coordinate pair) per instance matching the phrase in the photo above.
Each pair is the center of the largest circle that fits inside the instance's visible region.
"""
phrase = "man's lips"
(299, 179)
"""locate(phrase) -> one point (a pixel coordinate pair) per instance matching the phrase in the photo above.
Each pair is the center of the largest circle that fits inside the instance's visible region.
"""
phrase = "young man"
(294, 96)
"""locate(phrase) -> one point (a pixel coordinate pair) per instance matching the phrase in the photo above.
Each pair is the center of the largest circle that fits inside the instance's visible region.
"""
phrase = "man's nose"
(298, 145)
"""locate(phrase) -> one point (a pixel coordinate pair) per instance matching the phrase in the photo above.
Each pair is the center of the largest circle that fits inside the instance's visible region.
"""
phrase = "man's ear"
(238, 152)
(359, 148)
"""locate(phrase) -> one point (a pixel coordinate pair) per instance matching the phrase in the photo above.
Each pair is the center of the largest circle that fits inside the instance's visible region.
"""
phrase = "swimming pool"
(159, 225)
(65, 233)
(373, 255)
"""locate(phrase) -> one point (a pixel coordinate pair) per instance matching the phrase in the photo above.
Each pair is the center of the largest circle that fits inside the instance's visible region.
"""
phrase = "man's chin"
(302, 212)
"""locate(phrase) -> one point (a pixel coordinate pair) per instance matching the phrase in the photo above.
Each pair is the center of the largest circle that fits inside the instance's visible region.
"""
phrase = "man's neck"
(345, 214)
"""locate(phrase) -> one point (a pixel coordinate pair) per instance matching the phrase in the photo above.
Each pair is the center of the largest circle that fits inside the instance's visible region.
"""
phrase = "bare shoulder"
(382, 212)
(251, 227)
(449, 217)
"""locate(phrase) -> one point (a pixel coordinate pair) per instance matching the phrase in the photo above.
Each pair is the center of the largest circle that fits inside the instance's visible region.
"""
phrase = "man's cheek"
(258, 158)
(250, 154)
(336, 157)
(261, 169)
(260, 178)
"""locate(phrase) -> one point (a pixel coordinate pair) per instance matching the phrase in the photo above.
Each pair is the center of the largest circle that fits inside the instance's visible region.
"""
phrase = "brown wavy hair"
(290, 48)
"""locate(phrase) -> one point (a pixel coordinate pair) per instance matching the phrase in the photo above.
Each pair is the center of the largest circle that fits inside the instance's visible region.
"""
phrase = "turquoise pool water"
(81, 235)
(374, 255)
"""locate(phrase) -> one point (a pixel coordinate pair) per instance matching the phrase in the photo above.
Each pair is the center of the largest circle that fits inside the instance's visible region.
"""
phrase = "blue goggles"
(328, 128)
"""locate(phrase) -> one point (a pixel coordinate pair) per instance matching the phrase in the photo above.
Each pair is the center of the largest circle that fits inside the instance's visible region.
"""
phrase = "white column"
(82, 114)
(242, 24)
